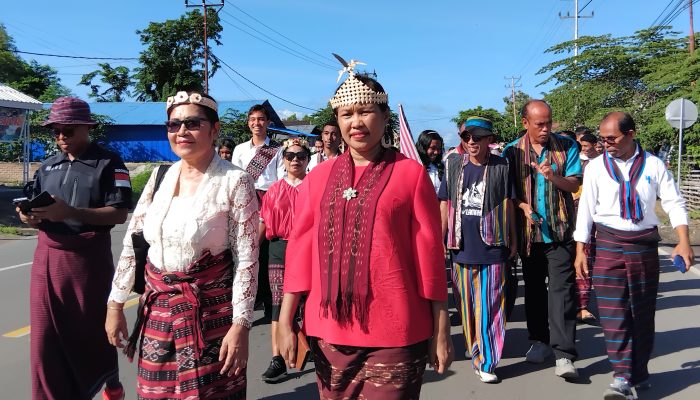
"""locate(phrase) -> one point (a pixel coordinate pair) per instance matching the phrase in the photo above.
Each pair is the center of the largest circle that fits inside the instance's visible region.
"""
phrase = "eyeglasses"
(612, 139)
(191, 124)
(301, 156)
(466, 136)
(67, 131)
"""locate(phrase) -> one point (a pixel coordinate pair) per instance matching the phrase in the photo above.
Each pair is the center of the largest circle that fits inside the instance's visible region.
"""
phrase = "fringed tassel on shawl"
(130, 348)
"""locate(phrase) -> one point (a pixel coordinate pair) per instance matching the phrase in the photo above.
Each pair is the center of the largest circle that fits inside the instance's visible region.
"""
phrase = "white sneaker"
(565, 369)
(486, 377)
(538, 352)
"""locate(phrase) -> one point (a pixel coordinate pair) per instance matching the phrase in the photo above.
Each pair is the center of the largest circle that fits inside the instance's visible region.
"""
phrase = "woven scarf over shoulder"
(345, 236)
(559, 203)
(494, 206)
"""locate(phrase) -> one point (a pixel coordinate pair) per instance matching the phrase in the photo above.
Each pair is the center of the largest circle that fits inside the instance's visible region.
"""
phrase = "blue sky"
(434, 57)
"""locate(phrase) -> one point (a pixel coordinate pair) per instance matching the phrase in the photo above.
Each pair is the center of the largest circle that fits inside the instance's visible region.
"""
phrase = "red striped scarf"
(345, 236)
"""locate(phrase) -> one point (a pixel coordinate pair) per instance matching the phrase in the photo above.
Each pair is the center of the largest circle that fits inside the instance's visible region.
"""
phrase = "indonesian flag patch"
(121, 178)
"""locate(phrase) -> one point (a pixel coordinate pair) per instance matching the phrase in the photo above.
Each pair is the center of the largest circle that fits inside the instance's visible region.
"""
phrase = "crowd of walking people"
(344, 248)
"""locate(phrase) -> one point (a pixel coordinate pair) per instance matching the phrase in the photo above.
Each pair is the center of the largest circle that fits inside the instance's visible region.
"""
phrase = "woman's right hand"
(115, 326)
(28, 219)
(287, 344)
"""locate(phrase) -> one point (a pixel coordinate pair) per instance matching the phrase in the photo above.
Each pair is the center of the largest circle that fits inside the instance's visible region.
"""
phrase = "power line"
(584, 7)
(278, 42)
(326, 57)
(290, 51)
(66, 56)
(247, 93)
(261, 88)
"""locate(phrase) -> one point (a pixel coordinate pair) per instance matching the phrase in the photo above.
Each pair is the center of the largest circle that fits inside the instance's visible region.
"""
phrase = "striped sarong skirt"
(626, 281)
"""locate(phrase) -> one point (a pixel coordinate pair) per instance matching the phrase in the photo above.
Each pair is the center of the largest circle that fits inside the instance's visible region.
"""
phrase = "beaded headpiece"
(353, 90)
(195, 98)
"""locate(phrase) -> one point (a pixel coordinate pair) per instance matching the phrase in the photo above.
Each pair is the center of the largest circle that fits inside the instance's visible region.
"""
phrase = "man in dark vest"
(73, 268)
(546, 170)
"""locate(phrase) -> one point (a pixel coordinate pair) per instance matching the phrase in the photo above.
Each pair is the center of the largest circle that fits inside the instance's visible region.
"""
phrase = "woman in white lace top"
(202, 226)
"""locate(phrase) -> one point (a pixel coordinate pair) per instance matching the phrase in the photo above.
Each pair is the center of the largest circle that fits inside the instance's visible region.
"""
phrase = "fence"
(690, 181)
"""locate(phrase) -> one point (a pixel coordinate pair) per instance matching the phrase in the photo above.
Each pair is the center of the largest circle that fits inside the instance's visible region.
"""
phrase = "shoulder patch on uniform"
(121, 178)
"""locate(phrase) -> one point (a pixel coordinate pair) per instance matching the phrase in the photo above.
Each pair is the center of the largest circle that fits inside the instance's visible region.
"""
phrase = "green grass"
(694, 214)
(138, 182)
(10, 230)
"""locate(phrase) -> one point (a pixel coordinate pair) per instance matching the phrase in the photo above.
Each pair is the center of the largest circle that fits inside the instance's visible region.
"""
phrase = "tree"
(117, 78)
(639, 74)
(174, 54)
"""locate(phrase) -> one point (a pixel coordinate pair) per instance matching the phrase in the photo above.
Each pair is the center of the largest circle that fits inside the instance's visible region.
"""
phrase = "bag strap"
(160, 174)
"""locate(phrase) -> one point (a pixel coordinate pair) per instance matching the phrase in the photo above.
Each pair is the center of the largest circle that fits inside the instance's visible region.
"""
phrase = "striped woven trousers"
(481, 287)
(626, 279)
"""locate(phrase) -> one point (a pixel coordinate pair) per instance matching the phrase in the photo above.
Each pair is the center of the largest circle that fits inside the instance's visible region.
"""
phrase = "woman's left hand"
(234, 350)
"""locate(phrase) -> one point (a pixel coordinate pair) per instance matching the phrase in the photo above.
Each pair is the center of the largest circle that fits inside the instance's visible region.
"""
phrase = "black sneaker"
(276, 371)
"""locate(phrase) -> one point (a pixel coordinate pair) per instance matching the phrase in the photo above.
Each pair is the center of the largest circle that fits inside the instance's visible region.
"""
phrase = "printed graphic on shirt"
(121, 178)
(471, 199)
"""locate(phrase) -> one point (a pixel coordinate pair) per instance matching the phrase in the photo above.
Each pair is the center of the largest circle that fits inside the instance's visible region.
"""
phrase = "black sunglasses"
(67, 131)
(301, 156)
(191, 124)
(466, 136)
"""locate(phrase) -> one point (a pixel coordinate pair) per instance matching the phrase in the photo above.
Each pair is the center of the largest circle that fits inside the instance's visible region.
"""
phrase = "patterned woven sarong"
(70, 281)
(185, 316)
(626, 280)
(349, 372)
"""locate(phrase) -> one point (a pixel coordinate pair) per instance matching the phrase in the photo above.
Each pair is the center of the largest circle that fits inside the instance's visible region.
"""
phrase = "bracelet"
(115, 308)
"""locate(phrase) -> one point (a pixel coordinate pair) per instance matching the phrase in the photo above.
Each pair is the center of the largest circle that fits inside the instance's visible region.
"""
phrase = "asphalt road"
(675, 366)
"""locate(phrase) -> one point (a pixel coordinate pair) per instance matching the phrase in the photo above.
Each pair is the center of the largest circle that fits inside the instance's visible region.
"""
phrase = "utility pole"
(513, 85)
(204, 6)
(576, 17)
(692, 32)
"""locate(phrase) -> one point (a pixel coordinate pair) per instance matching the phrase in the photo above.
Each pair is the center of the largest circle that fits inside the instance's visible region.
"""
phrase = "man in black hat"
(478, 217)
(73, 268)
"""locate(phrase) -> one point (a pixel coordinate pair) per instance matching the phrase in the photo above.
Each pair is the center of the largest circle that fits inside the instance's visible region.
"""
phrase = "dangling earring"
(386, 143)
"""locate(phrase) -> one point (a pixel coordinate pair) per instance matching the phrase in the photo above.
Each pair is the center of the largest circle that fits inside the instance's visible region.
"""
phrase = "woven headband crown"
(353, 90)
(195, 98)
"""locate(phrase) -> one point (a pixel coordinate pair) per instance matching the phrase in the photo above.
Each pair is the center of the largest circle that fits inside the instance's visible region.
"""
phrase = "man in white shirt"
(619, 196)
(331, 144)
(262, 159)
(260, 156)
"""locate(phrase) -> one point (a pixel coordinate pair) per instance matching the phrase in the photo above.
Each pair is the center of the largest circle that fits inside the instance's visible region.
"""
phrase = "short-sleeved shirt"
(98, 178)
(473, 250)
(572, 167)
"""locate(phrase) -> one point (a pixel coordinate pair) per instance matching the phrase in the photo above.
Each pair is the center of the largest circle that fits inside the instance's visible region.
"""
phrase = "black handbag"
(141, 245)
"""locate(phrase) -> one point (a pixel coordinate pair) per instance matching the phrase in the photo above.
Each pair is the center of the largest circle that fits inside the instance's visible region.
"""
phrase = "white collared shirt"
(434, 175)
(314, 161)
(244, 153)
(600, 199)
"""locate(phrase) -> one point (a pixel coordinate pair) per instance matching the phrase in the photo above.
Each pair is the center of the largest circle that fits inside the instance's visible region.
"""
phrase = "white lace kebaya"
(221, 215)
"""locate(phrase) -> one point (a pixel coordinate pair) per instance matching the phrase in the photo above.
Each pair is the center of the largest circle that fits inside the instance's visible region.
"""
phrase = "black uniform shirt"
(98, 178)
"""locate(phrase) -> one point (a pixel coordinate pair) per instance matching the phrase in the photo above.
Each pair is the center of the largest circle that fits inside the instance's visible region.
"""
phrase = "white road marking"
(15, 266)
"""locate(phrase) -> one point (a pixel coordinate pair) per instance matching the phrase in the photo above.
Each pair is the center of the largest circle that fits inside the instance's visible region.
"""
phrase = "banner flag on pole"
(408, 148)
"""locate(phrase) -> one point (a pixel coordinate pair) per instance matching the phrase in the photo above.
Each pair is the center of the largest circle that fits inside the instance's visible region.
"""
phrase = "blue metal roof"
(153, 113)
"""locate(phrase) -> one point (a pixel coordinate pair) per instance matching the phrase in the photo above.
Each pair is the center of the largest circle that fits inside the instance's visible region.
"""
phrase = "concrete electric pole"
(576, 17)
(204, 6)
(513, 85)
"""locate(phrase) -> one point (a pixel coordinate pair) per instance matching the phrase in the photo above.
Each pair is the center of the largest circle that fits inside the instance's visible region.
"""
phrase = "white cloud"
(284, 114)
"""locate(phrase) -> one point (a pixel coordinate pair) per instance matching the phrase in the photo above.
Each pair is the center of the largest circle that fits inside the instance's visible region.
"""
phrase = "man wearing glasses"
(73, 268)
(478, 218)
(546, 171)
(619, 196)
(261, 157)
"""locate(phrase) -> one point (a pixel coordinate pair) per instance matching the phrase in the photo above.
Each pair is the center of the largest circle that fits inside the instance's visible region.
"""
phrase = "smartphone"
(43, 199)
(679, 263)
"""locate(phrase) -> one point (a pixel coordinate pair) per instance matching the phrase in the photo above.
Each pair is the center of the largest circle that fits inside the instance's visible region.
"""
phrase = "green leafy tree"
(118, 81)
(510, 131)
(174, 54)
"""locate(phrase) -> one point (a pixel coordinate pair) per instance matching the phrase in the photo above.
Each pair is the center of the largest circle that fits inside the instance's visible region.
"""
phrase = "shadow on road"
(308, 391)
